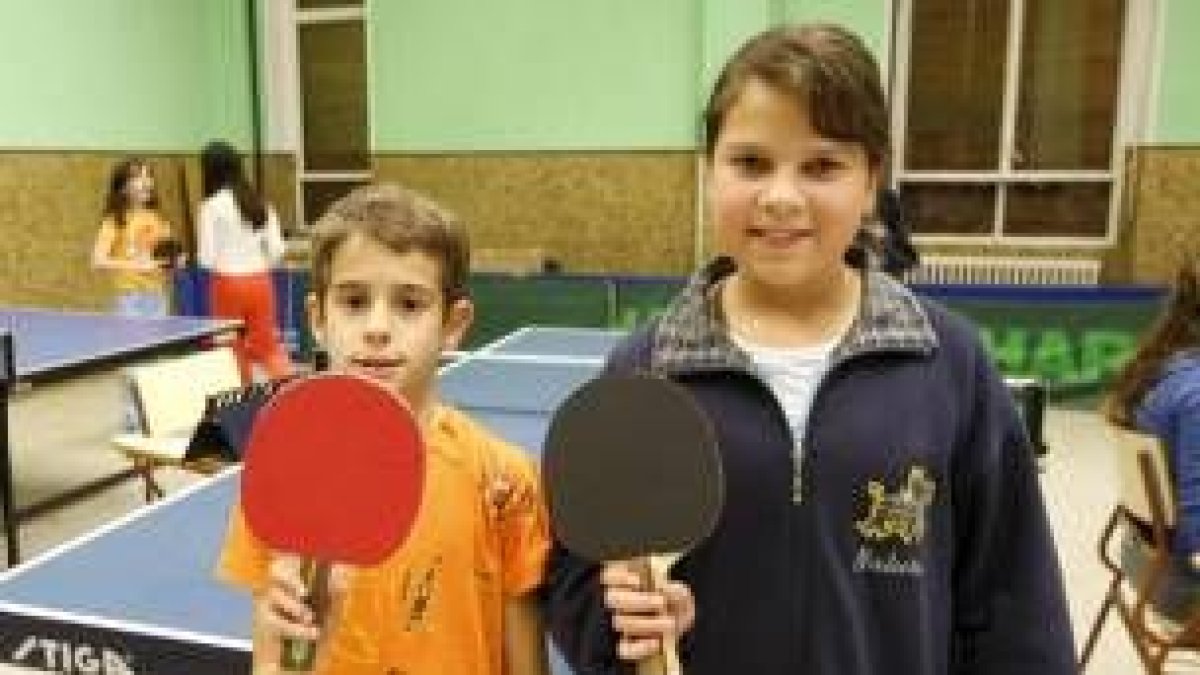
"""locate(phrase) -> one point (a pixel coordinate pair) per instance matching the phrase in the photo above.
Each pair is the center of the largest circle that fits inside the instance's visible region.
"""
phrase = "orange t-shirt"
(436, 605)
(143, 229)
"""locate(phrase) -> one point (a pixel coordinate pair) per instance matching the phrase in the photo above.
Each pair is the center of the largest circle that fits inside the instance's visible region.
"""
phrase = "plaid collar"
(691, 336)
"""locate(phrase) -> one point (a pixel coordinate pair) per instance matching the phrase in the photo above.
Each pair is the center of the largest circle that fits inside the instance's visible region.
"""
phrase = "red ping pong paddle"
(632, 470)
(334, 472)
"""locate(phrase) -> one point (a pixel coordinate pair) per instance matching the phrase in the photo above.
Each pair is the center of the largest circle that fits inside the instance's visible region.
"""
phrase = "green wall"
(458, 75)
(726, 24)
(868, 18)
(227, 77)
(446, 75)
(1179, 85)
(122, 74)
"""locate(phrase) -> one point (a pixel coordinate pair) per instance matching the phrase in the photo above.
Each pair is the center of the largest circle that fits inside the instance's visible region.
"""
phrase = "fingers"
(638, 649)
(283, 607)
(681, 605)
(339, 579)
(635, 602)
(643, 619)
(623, 574)
(285, 604)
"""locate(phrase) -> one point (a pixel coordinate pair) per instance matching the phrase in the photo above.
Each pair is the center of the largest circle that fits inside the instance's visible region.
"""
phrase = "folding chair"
(171, 396)
(1147, 508)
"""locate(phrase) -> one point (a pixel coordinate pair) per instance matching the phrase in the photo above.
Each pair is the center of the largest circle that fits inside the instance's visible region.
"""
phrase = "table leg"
(7, 378)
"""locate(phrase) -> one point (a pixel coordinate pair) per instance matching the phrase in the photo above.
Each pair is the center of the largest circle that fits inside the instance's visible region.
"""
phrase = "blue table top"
(152, 572)
(46, 341)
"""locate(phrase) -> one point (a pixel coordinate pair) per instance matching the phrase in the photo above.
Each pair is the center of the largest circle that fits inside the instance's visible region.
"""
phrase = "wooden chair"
(1147, 507)
(171, 396)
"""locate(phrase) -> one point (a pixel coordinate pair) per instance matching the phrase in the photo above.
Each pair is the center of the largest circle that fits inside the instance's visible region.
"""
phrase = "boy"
(389, 273)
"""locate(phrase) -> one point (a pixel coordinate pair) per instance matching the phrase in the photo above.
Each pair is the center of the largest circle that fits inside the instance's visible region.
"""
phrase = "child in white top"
(238, 242)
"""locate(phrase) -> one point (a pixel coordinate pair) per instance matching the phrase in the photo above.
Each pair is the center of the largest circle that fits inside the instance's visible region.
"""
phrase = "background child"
(1158, 392)
(389, 294)
(882, 510)
(238, 241)
(131, 228)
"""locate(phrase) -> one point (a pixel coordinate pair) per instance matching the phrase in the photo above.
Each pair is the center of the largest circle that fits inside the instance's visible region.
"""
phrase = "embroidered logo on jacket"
(896, 517)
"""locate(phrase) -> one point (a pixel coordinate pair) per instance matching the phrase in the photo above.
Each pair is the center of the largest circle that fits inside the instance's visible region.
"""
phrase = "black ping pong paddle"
(632, 471)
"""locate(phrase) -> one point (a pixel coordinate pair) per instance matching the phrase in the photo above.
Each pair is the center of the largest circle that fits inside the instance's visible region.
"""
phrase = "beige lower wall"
(601, 212)
(1163, 210)
(621, 213)
(50, 209)
(635, 213)
(279, 187)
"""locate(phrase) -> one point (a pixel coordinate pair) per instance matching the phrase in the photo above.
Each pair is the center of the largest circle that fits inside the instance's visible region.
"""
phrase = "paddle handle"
(654, 571)
(300, 654)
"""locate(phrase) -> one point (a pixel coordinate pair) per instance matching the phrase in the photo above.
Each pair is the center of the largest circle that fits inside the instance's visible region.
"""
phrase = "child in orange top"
(389, 295)
(131, 229)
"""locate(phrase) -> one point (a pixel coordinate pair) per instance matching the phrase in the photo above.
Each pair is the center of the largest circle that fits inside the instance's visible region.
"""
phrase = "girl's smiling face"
(786, 201)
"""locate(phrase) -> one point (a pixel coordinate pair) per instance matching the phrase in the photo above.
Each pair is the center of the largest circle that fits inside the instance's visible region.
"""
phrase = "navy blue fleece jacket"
(904, 535)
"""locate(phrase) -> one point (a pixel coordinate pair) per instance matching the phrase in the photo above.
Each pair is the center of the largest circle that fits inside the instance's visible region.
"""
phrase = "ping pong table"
(40, 346)
(139, 595)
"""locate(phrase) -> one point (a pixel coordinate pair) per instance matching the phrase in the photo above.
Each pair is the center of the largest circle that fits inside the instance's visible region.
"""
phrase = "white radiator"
(937, 269)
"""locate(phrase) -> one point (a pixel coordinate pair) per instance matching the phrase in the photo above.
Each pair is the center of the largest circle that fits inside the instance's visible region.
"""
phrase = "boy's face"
(384, 317)
(786, 201)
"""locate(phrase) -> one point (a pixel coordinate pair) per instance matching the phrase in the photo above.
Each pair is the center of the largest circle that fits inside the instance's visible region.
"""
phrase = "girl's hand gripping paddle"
(632, 470)
(334, 471)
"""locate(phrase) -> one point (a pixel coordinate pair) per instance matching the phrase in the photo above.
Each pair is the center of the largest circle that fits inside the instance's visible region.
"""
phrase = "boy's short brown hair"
(401, 219)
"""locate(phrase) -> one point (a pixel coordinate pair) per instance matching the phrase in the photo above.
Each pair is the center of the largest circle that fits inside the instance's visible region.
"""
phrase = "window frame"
(317, 16)
(1141, 32)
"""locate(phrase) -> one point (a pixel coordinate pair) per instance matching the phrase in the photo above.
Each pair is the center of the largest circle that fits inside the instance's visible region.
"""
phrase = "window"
(334, 153)
(1006, 118)
(333, 93)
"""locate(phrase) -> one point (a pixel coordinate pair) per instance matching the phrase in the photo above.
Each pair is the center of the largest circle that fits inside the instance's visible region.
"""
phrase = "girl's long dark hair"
(220, 168)
(1176, 330)
(116, 201)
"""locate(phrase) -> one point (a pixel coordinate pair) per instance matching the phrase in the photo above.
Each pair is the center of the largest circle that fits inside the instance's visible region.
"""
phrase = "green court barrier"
(638, 299)
(505, 303)
(1071, 339)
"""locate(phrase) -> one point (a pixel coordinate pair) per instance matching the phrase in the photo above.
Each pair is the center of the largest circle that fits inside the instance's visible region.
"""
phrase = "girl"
(238, 241)
(882, 511)
(1158, 392)
(131, 230)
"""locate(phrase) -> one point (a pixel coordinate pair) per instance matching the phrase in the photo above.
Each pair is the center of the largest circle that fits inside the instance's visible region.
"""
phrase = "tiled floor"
(1079, 486)
(56, 443)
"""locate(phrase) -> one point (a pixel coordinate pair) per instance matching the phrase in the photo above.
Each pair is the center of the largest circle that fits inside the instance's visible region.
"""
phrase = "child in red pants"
(238, 242)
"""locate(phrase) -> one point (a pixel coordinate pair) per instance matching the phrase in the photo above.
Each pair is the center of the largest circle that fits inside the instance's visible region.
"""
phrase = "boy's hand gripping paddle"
(334, 471)
(632, 470)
